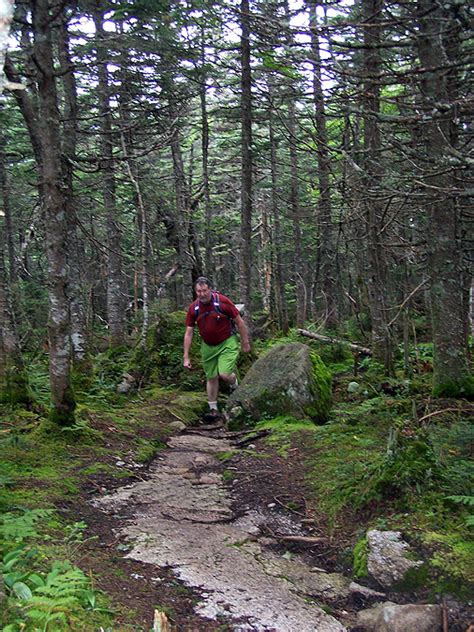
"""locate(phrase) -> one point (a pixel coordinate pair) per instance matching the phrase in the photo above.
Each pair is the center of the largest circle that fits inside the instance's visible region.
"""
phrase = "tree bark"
(451, 374)
(327, 257)
(115, 281)
(279, 285)
(56, 206)
(245, 263)
(377, 283)
(79, 337)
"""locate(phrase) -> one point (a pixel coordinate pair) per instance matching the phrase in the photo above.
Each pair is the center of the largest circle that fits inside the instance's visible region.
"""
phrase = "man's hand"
(245, 346)
(187, 363)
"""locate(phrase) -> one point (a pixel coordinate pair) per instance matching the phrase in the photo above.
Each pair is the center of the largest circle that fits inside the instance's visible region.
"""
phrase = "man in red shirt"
(216, 317)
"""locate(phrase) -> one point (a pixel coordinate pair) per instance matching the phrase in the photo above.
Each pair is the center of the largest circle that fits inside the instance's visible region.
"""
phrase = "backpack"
(216, 309)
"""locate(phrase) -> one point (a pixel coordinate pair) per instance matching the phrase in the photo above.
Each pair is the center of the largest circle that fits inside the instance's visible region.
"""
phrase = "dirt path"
(181, 518)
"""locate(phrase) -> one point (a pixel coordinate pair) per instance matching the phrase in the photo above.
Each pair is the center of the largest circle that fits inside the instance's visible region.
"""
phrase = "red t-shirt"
(213, 326)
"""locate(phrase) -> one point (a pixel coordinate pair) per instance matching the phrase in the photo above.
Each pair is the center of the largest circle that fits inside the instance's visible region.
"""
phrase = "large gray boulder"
(288, 380)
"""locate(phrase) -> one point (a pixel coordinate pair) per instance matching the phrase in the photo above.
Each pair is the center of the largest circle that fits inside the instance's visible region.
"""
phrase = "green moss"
(284, 428)
(413, 579)
(360, 556)
(147, 450)
(62, 414)
(321, 390)
(82, 375)
(452, 562)
(455, 389)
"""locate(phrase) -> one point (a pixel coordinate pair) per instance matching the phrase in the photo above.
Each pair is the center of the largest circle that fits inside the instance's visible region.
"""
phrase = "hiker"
(217, 319)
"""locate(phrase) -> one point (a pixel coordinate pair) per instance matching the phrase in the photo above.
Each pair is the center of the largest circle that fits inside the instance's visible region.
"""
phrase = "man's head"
(203, 289)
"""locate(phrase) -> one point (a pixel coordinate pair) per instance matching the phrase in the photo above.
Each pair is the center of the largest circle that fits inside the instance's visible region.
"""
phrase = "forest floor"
(279, 474)
(259, 478)
(137, 589)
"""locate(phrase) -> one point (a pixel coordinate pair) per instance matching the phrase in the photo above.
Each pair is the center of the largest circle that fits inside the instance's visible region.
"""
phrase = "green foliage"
(455, 389)
(147, 450)
(360, 559)
(16, 389)
(20, 525)
(57, 597)
(409, 462)
(162, 359)
(451, 563)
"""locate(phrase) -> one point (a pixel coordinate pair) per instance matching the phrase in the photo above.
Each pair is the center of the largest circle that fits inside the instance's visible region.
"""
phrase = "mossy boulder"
(288, 380)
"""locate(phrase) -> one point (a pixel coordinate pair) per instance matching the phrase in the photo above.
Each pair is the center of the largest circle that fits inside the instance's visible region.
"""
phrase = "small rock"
(387, 561)
(179, 426)
(353, 387)
(120, 463)
(271, 505)
(357, 589)
(391, 617)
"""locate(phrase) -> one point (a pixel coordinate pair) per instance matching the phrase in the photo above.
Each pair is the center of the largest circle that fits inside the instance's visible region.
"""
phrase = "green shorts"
(221, 358)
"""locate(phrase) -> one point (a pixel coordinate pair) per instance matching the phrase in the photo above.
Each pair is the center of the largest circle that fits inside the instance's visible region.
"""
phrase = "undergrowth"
(43, 592)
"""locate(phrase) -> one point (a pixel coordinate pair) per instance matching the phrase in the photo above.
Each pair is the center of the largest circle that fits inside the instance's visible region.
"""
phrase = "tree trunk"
(13, 375)
(279, 285)
(327, 258)
(208, 232)
(183, 219)
(377, 285)
(56, 207)
(79, 341)
(298, 264)
(245, 262)
(451, 375)
(115, 282)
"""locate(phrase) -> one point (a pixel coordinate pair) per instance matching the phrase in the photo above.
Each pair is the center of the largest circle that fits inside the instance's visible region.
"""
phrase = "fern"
(462, 500)
(17, 528)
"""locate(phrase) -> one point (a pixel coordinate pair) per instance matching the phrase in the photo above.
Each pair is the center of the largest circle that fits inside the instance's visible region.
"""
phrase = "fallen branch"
(251, 438)
(445, 410)
(303, 539)
(326, 339)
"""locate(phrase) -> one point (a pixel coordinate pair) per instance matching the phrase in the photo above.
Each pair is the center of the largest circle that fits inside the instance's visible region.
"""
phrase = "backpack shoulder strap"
(216, 302)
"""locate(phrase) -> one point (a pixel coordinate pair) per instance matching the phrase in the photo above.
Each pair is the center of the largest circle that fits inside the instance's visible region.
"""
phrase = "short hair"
(202, 280)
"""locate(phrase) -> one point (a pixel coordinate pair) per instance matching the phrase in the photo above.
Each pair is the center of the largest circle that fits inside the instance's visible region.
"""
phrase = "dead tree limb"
(326, 339)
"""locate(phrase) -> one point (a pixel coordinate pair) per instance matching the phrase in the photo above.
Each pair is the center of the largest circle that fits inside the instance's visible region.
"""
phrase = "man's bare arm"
(188, 338)
(244, 334)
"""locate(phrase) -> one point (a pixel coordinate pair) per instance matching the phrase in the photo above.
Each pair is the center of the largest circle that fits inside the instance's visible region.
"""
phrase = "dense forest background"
(313, 158)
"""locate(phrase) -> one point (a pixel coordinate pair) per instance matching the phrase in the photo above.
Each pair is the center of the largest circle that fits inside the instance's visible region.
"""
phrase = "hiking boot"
(212, 416)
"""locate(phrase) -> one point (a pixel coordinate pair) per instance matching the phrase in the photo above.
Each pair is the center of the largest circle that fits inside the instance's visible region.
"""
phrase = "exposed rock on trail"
(181, 517)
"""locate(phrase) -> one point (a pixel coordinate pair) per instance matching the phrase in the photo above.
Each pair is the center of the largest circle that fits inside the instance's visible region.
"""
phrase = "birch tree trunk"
(209, 237)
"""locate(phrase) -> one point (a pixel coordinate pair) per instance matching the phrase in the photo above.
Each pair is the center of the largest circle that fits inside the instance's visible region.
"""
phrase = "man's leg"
(228, 360)
(230, 378)
(212, 388)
